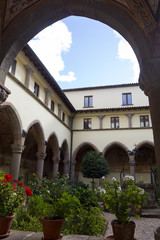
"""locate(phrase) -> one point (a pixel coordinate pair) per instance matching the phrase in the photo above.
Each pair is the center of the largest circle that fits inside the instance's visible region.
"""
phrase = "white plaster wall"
(101, 138)
(30, 110)
(107, 97)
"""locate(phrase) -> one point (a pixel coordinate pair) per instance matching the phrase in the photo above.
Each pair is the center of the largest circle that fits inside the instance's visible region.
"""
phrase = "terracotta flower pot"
(5, 225)
(52, 228)
(123, 231)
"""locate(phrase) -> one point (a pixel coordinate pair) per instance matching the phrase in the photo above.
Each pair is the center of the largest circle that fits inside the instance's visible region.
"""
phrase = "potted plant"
(12, 195)
(124, 202)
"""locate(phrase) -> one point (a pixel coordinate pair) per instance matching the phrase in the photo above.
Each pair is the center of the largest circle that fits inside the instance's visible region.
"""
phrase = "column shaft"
(16, 160)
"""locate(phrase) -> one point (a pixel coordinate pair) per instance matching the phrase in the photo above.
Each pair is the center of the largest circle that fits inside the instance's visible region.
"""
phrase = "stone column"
(150, 84)
(73, 170)
(66, 166)
(60, 111)
(100, 121)
(48, 93)
(129, 115)
(16, 160)
(132, 164)
(29, 73)
(55, 166)
(40, 163)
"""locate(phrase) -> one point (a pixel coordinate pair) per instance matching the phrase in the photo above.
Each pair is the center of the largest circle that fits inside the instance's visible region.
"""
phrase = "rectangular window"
(114, 122)
(12, 69)
(87, 123)
(63, 117)
(52, 105)
(126, 98)
(36, 89)
(144, 121)
(88, 101)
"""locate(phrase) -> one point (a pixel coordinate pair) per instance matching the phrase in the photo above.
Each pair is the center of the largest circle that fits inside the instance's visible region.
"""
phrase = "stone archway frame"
(44, 13)
(39, 132)
(65, 151)
(80, 147)
(54, 144)
(115, 143)
(145, 143)
(15, 120)
(73, 164)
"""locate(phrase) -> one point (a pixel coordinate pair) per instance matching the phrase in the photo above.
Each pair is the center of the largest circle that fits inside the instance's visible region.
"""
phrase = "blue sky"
(80, 52)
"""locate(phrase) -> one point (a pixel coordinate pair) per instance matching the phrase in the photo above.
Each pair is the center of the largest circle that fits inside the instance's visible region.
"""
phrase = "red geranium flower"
(21, 183)
(14, 186)
(4, 181)
(8, 177)
(28, 192)
(15, 181)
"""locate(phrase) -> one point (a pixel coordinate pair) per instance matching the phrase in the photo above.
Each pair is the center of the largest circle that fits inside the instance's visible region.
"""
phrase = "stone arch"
(145, 161)
(34, 151)
(77, 158)
(10, 138)
(64, 159)
(39, 134)
(52, 156)
(15, 119)
(42, 14)
(116, 155)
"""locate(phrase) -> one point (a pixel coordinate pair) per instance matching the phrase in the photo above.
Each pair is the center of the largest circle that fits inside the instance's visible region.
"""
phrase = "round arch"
(77, 159)
(64, 159)
(145, 161)
(15, 120)
(53, 140)
(42, 14)
(116, 155)
(38, 134)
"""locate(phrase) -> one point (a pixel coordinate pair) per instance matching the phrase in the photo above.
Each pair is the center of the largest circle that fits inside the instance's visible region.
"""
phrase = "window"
(144, 121)
(114, 122)
(87, 123)
(36, 89)
(52, 105)
(88, 101)
(13, 67)
(63, 117)
(126, 98)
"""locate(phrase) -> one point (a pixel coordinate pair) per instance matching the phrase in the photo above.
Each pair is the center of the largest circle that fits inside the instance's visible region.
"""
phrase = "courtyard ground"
(145, 228)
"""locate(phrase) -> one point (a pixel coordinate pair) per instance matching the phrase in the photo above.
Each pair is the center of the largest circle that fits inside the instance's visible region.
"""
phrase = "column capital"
(100, 116)
(17, 148)
(149, 78)
(47, 91)
(29, 69)
(40, 155)
(4, 92)
(55, 159)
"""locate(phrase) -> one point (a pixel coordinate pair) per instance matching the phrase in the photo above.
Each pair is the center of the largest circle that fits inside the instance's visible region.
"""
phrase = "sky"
(80, 52)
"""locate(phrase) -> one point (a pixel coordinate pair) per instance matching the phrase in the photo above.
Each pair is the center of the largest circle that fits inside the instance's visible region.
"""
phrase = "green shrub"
(85, 221)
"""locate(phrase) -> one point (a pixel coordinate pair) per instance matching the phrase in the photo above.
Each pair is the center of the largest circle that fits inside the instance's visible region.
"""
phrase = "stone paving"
(145, 228)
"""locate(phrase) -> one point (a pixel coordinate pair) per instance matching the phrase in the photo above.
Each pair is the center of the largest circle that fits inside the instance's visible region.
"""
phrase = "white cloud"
(49, 45)
(125, 52)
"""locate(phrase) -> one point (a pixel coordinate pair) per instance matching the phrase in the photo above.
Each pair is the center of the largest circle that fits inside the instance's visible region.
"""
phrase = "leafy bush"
(85, 221)
(94, 165)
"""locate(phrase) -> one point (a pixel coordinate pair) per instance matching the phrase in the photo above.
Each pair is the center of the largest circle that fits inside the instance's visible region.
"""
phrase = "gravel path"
(145, 227)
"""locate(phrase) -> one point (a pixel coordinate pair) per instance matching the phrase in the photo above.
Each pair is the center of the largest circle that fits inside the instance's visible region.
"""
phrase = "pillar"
(132, 164)
(60, 111)
(16, 160)
(29, 73)
(48, 93)
(55, 166)
(40, 163)
(66, 166)
(100, 121)
(73, 170)
(129, 115)
(150, 84)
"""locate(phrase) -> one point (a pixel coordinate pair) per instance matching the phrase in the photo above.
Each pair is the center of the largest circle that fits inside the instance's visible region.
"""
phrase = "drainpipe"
(70, 167)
